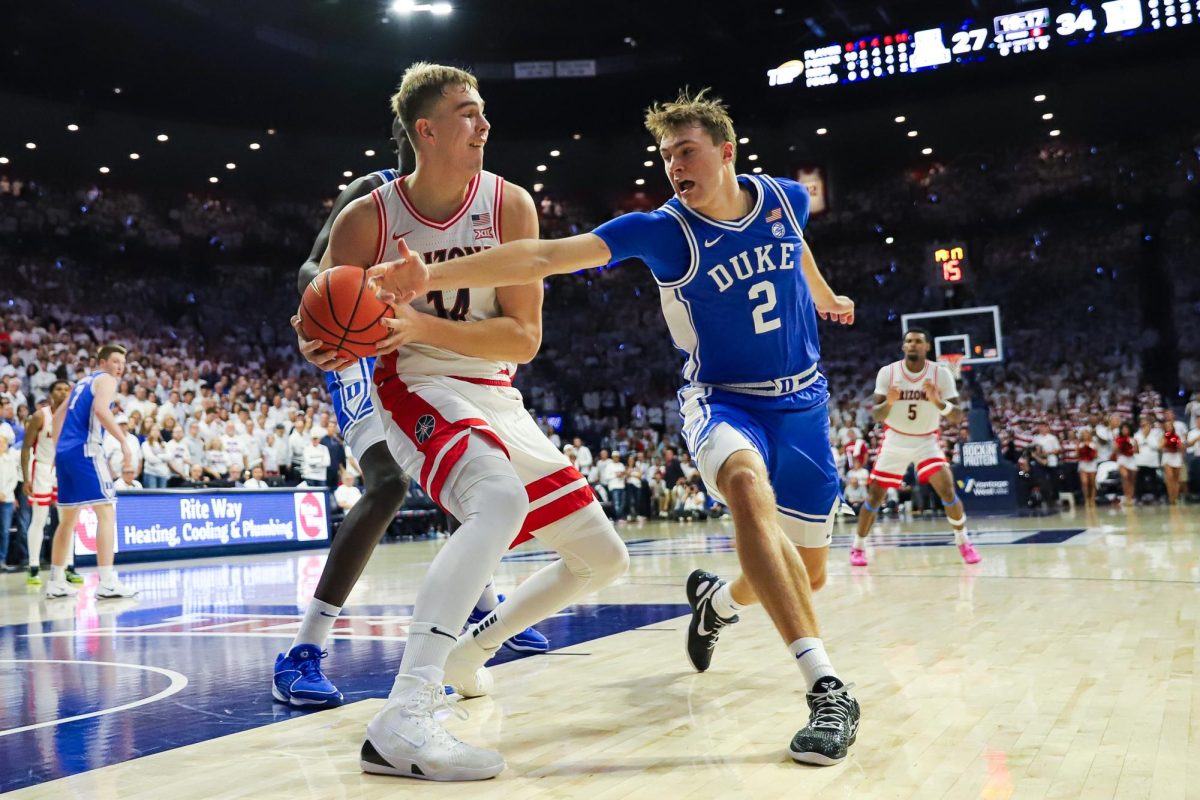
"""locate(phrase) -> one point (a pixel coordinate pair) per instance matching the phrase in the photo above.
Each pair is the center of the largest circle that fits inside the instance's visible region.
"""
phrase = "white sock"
(428, 645)
(723, 603)
(58, 574)
(812, 659)
(860, 542)
(35, 534)
(318, 622)
(488, 600)
(108, 576)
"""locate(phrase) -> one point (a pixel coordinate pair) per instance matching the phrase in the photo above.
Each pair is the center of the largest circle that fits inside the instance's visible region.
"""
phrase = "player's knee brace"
(589, 545)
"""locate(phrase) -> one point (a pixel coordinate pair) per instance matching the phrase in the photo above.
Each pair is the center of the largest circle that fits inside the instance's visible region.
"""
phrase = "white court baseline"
(178, 683)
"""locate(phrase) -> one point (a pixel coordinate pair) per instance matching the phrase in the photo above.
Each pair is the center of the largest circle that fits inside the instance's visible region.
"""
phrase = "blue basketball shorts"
(790, 432)
(83, 480)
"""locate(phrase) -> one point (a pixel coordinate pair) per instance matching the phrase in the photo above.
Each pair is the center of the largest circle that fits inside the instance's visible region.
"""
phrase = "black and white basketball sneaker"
(832, 725)
(705, 626)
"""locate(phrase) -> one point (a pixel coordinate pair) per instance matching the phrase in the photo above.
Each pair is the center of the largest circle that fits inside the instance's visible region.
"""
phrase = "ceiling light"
(404, 6)
(72, 127)
(753, 156)
(888, 240)
(270, 131)
(744, 140)
(231, 165)
(640, 181)
(901, 118)
(30, 146)
(134, 156)
(441, 9)
(577, 136)
(647, 163)
(1047, 116)
(822, 131)
(912, 134)
(104, 170)
(255, 146)
(756, 170)
(650, 148)
(116, 90)
(537, 187)
(162, 137)
(347, 174)
(3, 159)
(341, 187)
(1055, 132)
(368, 153)
(555, 154)
(214, 179)
(1039, 98)
(928, 151)
(541, 167)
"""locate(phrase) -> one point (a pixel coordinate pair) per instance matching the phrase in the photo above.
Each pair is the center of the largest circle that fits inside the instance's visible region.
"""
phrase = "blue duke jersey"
(81, 431)
(350, 389)
(733, 292)
(737, 304)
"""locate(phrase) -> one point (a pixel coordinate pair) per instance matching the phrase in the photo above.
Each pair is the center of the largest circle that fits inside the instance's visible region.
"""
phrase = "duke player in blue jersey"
(741, 294)
(84, 480)
(298, 679)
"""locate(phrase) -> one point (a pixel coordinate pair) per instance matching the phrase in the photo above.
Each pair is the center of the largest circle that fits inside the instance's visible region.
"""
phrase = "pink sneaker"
(858, 558)
(969, 554)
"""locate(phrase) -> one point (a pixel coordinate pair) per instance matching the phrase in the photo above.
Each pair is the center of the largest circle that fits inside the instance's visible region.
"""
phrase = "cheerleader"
(1172, 455)
(1126, 448)
(1088, 459)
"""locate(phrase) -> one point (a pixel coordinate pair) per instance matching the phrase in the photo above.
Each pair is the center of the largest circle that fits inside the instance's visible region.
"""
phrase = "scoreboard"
(1030, 30)
(950, 266)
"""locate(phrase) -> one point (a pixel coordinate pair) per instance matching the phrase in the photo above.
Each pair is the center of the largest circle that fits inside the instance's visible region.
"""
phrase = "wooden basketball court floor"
(1065, 665)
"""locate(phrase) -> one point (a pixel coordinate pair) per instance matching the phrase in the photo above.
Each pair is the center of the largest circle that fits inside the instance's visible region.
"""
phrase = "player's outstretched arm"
(837, 307)
(359, 187)
(508, 265)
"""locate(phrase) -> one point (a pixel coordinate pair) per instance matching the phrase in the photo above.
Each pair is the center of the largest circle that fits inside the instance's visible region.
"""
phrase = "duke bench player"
(740, 293)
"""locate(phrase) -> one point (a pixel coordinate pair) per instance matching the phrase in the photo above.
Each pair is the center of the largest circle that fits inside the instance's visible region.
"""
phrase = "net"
(952, 362)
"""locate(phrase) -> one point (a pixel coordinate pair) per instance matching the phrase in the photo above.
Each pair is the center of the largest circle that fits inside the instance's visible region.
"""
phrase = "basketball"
(340, 309)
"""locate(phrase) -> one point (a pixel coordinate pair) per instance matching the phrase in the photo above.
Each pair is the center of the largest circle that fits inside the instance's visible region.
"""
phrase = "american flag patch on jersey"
(775, 215)
(483, 220)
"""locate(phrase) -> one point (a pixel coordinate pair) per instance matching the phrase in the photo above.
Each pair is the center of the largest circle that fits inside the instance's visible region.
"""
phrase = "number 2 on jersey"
(761, 323)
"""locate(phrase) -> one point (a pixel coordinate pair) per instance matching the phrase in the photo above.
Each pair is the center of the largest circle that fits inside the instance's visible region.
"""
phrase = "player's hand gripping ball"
(340, 310)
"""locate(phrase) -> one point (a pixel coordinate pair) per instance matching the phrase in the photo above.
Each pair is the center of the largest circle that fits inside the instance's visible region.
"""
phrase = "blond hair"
(422, 85)
(710, 113)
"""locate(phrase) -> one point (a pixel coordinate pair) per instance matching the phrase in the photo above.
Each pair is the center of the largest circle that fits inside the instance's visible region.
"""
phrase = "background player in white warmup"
(455, 424)
(37, 465)
(911, 396)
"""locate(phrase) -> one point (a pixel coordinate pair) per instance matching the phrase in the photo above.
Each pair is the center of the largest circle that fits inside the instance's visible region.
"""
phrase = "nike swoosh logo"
(440, 632)
(806, 652)
(700, 629)
(707, 243)
(398, 236)
(327, 614)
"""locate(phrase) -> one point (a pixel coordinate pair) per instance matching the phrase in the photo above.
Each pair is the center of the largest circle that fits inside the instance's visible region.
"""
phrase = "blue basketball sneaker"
(299, 681)
(527, 641)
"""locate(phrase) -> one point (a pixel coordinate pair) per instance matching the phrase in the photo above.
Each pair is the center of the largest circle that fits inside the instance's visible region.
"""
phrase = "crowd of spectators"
(200, 290)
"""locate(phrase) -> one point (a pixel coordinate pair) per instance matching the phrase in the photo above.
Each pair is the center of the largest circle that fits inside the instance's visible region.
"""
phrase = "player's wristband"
(946, 408)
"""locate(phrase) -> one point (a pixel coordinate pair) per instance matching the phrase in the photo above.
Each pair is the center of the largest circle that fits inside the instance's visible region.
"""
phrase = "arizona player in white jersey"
(455, 423)
(37, 465)
(298, 678)
(83, 476)
(911, 396)
(741, 294)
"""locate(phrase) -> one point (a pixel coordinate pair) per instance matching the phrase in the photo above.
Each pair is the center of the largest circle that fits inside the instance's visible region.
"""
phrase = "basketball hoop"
(952, 362)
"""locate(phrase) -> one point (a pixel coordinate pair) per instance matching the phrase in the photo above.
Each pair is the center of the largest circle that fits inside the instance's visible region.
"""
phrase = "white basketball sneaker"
(56, 589)
(108, 591)
(465, 669)
(406, 740)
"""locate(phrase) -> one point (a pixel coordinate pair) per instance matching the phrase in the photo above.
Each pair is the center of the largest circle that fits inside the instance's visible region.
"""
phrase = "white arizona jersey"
(912, 413)
(43, 447)
(475, 226)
